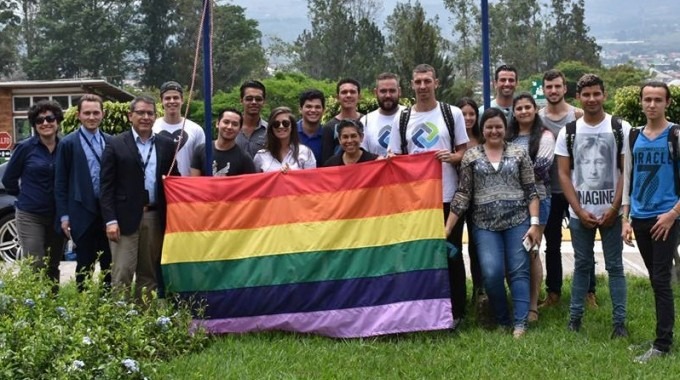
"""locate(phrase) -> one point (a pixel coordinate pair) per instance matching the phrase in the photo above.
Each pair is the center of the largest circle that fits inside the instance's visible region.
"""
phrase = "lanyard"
(148, 158)
(89, 145)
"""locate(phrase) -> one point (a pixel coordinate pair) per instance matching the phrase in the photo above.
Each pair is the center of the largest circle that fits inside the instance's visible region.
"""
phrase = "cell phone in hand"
(527, 244)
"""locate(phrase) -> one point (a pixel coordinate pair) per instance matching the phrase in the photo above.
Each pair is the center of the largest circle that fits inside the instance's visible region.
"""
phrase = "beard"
(553, 103)
(388, 105)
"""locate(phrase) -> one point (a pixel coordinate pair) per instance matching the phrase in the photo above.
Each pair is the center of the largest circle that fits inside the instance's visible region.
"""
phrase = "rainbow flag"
(344, 252)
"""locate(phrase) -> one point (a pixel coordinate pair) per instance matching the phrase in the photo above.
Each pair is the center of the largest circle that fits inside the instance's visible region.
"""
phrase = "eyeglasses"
(48, 118)
(144, 113)
(284, 124)
(256, 99)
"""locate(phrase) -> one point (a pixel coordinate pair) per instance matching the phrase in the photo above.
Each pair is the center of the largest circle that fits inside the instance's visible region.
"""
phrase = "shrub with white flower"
(130, 365)
(53, 336)
(76, 365)
(164, 323)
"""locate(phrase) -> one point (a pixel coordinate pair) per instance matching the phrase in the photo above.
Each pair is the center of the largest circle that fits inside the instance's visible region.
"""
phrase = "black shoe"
(574, 325)
(619, 331)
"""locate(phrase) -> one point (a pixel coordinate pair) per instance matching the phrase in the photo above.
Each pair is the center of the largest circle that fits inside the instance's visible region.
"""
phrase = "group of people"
(511, 172)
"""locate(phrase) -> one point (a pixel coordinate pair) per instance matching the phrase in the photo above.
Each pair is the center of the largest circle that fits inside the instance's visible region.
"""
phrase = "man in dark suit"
(76, 190)
(133, 200)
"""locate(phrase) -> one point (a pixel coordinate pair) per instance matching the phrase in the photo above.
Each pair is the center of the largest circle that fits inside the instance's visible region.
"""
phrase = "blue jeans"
(502, 252)
(583, 239)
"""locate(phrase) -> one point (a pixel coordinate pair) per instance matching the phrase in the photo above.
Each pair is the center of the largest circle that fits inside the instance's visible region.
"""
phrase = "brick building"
(17, 97)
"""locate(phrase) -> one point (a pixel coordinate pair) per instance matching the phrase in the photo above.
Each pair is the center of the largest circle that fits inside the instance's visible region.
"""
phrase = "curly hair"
(45, 106)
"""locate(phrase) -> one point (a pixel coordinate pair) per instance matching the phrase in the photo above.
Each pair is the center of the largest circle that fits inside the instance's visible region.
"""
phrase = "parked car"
(10, 249)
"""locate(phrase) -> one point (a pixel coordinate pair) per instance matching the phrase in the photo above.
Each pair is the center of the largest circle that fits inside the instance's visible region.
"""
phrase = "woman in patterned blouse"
(497, 185)
(527, 130)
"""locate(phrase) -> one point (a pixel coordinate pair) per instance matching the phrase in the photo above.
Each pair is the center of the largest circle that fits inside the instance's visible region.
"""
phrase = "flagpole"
(486, 66)
(207, 88)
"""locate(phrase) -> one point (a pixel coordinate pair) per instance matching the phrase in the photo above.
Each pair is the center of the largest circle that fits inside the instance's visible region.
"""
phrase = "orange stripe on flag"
(351, 204)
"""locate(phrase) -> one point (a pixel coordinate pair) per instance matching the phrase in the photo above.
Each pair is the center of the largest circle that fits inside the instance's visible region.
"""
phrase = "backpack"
(406, 115)
(672, 148)
(617, 129)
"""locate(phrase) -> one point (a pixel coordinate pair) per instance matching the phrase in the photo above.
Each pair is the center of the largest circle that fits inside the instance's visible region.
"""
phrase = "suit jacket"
(122, 180)
(73, 190)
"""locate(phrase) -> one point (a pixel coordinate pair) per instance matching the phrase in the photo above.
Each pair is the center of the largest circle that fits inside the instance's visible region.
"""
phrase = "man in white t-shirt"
(589, 165)
(427, 131)
(184, 132)
(378, 124)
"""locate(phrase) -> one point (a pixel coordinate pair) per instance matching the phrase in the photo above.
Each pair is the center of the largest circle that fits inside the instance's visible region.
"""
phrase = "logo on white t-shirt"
(425, 136)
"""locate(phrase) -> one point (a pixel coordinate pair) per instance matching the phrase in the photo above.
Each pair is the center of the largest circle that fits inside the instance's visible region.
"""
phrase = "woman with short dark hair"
(30, 177)
(350, 135)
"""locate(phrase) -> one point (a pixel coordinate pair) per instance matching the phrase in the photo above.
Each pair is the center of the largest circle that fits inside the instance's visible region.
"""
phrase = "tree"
(237, 49)
(173, 27)
(467, 30)
(413, 39)
(9, 23)
(517, 35)
(567, 35)
(339, 44)
(155, 29)
(95, 47)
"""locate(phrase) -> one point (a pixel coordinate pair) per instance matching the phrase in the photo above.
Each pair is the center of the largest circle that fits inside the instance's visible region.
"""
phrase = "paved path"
(632, 262)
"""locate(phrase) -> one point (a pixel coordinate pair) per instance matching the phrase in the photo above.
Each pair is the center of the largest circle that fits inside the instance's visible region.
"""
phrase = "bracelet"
(625, 218)
(614, 208)
(535, 221)
(676, 211)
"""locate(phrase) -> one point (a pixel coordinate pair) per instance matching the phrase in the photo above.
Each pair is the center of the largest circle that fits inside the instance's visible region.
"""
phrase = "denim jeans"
(553, 246)
(658, 258)
(502, 252)
(583, 239)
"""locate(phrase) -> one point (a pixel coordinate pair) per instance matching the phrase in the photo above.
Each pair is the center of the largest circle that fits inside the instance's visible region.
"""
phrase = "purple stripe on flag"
(324, 295)
(401, 317)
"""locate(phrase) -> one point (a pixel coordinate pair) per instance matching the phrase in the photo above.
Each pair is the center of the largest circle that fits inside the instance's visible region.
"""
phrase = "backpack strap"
(617, 129)
(403, 123)
(675, 155)
(570, 136)
(450, 123)
(634, 133)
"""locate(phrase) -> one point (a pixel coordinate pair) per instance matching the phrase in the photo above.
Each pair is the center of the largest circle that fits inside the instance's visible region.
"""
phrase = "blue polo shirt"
(312, 142)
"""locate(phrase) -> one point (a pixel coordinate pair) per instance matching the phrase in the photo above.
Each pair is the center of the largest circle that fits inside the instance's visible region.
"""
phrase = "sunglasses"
(48, 118)
(256, 99)
(284, 124)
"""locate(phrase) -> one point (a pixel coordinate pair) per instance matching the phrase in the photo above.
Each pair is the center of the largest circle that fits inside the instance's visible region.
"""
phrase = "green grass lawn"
(548, 351)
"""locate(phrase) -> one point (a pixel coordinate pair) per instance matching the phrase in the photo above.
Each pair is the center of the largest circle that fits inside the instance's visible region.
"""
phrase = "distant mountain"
(654, 21)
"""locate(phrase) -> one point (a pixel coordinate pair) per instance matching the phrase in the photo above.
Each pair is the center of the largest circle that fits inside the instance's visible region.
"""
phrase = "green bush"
(627, 105)
(88, 335)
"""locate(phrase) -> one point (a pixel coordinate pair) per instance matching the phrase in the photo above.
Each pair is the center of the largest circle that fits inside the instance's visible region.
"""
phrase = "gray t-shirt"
(554, 126)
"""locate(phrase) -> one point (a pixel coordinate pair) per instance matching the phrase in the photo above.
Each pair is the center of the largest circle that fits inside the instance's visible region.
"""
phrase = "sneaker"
(574, 325)
(641, 346)
(519, 332)
(619, 331)
(649, 355)
(550, 300)
(591, 301)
